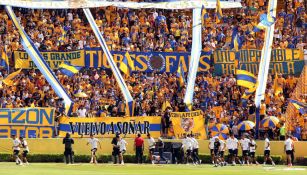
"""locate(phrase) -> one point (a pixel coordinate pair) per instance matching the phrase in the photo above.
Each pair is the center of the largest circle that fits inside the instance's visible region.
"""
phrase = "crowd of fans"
(151, 30)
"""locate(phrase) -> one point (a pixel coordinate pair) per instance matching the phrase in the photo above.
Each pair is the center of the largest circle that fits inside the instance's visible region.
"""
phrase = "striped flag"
(180, 76)
(245, 78)
(68, 69)
(299, 106)
(204, 14)
(266, 20)
(127, 65)
(4, 60)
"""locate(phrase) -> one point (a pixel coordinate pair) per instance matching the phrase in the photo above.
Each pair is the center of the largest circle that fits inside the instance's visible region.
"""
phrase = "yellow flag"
(8, 80)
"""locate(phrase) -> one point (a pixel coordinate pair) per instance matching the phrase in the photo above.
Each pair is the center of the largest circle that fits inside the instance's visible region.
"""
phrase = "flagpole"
(195, 56)
(121, 82)
(265, 62)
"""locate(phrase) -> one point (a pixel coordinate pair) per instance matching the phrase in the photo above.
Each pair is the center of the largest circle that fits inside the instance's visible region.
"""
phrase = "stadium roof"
(69, 4)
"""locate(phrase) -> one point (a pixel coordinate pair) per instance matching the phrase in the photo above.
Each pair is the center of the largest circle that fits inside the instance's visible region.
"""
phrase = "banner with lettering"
(27, 122)
(109, 126)
(148, 61)
(53, 59)
(187, 123)
(94, 57)
(285, 61)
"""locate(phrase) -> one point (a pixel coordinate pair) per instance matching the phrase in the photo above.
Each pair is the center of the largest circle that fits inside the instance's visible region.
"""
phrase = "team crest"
(187, 124)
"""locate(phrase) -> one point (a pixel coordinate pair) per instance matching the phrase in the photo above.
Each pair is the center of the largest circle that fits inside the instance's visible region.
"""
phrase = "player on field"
(245, 142)
(229, 148)
(151, 147)
(252, 150)
(187, 147)
(94, 144)
(25, 147)
(267, 150)
(289, 147)
(16, 149)
(222, 151)
(122, 148)
(216, 151)
(195, 147)
(211, 147)
(234, 149)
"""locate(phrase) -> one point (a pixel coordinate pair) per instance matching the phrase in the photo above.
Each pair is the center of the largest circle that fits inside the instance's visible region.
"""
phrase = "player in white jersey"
(267, 150)
(252, 150)
(16, 149)
(24, 145)
(222, 151)
(94, 144)
(151, 147)
(289, 147)
(229, 148)
(122, 144)
(195, 147)
(187, 147)
(211, 147)
(235, 146)
(244, 142)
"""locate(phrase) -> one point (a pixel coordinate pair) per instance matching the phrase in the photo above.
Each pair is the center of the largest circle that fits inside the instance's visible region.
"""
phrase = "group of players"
(248, 146)
(190, 147)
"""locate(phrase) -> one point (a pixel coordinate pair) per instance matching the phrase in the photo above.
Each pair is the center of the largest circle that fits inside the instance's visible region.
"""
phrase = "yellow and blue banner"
(68, 69)
(108, 126)
(249, 92)
(299, 106)
(284, 61)
(27, 122)
(245, 78)
(127, 65)
(204, 14)
(9, 79)
(188, 123)
(4, 60)
(219, 14)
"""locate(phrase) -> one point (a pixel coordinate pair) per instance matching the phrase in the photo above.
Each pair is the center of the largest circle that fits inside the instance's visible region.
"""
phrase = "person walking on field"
(151, 147)
(94, 144)
(25, 147)
(16, 150)
(139, 148)
(68, 142)
(289, 147)
(267, 150)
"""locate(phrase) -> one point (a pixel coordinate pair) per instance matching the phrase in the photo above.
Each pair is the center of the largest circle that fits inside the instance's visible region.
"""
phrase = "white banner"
(67, 4)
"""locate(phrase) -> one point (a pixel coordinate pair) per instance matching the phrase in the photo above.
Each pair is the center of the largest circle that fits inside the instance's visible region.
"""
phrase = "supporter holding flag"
(180, 76)
(4, 60)
(219, 14)
(68, 69)
(127, 65)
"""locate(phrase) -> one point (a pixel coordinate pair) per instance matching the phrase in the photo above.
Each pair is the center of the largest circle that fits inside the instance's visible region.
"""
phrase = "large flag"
(69, 69)
(63, 36)
(245, 78)
(9, 79)
(4, 60)
(300, 106)
(266, 20)
(204, 14)
(219, 13)
(127, 65)
(180, 75)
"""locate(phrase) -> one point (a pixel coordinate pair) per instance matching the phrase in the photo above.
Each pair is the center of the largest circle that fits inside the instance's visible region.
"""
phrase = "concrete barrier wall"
(55, 146)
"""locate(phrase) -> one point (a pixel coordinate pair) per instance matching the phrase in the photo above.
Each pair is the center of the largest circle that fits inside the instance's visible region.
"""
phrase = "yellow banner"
(109, 126)
(187, 123)
(53, 59)
(27, 122)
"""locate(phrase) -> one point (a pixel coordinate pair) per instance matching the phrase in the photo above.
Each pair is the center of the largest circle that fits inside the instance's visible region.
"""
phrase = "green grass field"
(133, 169)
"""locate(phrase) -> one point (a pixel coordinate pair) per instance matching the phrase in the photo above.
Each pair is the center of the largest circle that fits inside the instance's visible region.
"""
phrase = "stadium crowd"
(152, 30)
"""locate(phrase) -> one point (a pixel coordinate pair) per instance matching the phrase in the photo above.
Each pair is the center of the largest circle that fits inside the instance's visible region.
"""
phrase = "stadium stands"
(218, 97)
